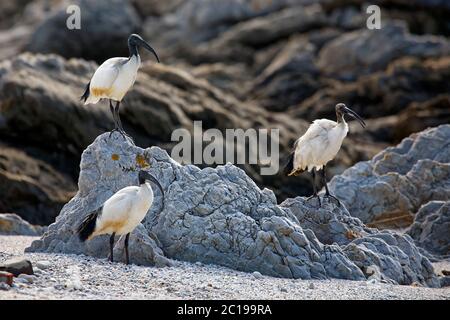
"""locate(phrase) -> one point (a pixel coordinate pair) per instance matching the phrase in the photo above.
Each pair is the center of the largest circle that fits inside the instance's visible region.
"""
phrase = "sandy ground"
(81, 277)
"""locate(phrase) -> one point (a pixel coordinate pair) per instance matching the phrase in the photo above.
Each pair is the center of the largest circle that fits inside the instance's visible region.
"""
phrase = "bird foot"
(315, 196)
(113, 130)
(127, 136)
(330, 196)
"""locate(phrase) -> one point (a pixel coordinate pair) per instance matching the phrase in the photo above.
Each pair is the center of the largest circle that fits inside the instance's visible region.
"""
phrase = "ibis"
(320, 144)
(114, 77)
(121, 213)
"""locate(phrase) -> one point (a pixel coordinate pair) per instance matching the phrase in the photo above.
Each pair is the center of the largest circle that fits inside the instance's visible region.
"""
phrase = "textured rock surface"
(355, 53)
(12, 224)
(31, 188)
(220, 216)
(389, 189)
(105, 27)
(431, 228)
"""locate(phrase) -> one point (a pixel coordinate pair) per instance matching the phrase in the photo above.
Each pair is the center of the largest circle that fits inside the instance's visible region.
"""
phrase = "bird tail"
(87, 226)
(289, 164)
(289, 169)
(86, 93)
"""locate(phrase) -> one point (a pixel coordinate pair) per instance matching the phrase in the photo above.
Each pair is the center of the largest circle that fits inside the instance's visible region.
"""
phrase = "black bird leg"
(124, 134)
(111, 246)
(314, 188)
(127, 257)
(116, 126)
(327, 192)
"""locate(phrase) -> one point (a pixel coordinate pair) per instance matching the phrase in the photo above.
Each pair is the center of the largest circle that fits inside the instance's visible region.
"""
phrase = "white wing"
(310, 146)
(107, 73)
(116, 209)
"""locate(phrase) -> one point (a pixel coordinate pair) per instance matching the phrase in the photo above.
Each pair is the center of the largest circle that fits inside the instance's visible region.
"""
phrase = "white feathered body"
(124, 210)
(319, 144)
(113, 78)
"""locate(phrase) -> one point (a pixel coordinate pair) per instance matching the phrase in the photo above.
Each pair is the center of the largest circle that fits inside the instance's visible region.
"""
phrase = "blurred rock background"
(230, 63)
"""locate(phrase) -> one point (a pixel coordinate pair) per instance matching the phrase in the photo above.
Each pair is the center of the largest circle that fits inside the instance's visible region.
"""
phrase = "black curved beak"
(151, 178)
(144, 44)
(354, 115)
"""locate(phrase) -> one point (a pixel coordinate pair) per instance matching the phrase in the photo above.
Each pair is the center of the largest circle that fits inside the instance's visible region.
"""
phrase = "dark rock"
(383, 93)
(32, 189)
(357, 53)
(105, 27)
(17, 266)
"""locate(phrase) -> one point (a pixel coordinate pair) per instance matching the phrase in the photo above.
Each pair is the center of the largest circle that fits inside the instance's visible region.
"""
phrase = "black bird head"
(341, 110)
(134, 41)
(144, 176)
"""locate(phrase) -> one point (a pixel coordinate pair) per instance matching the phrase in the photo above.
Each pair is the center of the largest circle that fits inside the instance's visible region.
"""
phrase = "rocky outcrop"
(31, 188)
(104, 29)
(405, 81)
(354, 54)
(389, 189)
(220, 216)
(431, 228)
(12, 224)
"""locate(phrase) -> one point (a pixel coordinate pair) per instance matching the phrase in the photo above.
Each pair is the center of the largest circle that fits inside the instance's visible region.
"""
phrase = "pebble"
(283, 289)
(21, 281)
(27, 277)
(257, 275)
(43, 264)
(4, 286)
(311, 286)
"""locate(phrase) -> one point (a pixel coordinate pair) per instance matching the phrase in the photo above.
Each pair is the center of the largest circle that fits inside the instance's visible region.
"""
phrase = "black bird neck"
(339, 116)
(133, 50)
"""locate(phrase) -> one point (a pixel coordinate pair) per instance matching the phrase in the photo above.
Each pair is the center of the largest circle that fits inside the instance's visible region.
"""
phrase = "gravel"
(69, 276)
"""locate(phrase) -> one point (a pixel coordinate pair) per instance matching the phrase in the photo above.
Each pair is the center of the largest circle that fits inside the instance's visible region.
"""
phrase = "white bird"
(319, 145)
(121, 213)
(114, 77)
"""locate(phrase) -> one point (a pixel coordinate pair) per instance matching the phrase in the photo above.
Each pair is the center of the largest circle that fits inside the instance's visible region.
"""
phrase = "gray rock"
(431, 228)
(28, 278)
(220, 216)
(12, 224)
(381, 255)
(43, 264)
(17, 266)
(357, 53)
(105, 27)
(389, 189)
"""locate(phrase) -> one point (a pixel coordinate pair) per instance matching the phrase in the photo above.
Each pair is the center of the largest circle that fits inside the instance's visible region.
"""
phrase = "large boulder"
(358, 53)
(405, 81)
(104, 30)
(389, 189)
(431, 228)
(220, 216)
(31, 188)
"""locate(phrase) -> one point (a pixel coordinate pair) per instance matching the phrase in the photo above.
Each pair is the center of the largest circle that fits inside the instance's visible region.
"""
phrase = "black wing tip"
(85, 95)
(289, 166)
(87, 226)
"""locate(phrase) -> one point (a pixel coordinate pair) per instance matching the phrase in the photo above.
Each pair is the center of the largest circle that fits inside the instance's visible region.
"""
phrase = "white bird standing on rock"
(114, 78)
(319, 145)
(121, 213)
